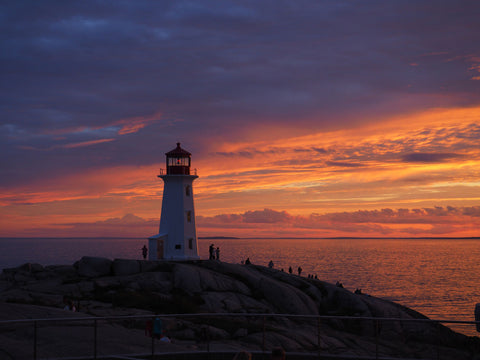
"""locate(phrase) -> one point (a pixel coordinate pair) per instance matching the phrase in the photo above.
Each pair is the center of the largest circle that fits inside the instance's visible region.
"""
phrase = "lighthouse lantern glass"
(178, 165)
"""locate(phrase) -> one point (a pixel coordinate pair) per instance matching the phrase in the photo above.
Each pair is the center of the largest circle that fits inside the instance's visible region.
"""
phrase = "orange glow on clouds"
(415, 175)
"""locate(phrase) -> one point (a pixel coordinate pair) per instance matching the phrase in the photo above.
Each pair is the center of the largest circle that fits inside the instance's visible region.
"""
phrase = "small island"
(218, 237)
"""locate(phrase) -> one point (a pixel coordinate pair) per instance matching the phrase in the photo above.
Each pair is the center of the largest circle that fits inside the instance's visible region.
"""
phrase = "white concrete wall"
(175, 205)
(152, 249)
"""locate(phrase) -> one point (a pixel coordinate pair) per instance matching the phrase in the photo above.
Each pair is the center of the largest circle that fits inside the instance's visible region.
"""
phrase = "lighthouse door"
(160, 243)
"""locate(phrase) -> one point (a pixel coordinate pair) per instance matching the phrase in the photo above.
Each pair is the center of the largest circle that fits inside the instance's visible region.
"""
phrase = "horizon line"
(260, 238)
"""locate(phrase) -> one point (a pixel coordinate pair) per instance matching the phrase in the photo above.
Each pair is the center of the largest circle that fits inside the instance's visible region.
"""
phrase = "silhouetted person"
(211, 250)
(247, 262)
(217, 253)
(270, 264)
(299, 270)
(278, 354)
(144, 252)
(290, 270)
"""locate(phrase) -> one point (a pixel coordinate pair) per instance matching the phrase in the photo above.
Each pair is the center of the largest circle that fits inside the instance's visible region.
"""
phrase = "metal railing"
(164, 172)
(86, 331)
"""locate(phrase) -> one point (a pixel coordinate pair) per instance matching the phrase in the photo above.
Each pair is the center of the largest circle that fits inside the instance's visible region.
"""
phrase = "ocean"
(437, 277)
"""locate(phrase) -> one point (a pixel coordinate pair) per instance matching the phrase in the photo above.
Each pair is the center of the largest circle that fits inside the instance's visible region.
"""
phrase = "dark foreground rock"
(101, 287)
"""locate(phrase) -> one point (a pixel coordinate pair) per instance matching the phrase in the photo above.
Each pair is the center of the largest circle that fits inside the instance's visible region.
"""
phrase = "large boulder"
(154, 281)
(194, 279)
(147, 265)
(90, 266)
(122, 267)
(231, 302)
(286, 298)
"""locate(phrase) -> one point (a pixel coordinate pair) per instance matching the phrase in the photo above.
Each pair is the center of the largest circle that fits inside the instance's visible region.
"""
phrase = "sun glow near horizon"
(389, 166)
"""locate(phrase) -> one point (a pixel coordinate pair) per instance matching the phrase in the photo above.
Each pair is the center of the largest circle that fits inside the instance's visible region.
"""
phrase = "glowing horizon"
(293, 186)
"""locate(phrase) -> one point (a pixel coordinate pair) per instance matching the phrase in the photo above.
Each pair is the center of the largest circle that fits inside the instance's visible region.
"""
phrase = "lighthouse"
(177, 236)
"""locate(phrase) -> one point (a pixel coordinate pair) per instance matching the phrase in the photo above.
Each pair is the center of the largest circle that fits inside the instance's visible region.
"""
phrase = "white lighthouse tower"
(177, 236)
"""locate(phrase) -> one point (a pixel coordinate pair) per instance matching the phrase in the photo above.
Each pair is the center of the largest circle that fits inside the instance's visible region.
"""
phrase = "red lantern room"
(178, 161)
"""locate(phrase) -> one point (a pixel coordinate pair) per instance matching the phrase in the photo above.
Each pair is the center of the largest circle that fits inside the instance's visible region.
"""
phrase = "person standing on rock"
(290, 270)
(299, 271)
(270, 264)
(144, 252)
(157, 327)
(211, 250)
(217, 253)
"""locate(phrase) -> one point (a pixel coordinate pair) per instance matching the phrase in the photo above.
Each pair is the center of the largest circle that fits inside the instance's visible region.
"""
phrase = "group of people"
(69, 304)
(290, 270)
(299, 269)
(155, 329)
(214, 253)
(246, 262)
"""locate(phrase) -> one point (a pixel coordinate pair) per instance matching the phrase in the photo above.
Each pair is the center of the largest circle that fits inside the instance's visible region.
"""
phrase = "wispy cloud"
(134, 124)
(86, 143)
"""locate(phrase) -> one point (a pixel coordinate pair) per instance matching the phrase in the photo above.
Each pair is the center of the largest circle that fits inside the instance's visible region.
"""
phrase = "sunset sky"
(304, 118)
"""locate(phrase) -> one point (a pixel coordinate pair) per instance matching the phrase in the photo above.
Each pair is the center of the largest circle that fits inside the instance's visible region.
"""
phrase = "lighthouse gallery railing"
(164, 172)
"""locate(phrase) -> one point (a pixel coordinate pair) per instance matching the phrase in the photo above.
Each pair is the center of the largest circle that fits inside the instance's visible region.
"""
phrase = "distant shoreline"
(252, 238)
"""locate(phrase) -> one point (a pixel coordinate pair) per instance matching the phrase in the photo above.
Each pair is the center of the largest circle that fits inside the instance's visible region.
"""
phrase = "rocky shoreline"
(104, 287)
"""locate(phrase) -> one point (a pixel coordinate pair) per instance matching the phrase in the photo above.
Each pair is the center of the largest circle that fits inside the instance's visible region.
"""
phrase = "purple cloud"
(214, 70)
(429, 157)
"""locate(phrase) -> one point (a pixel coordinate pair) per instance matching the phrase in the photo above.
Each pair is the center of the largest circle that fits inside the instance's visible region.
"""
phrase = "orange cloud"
(418, 161)
(86, 143)
(415, 222)
(448, 221)
(134, 124)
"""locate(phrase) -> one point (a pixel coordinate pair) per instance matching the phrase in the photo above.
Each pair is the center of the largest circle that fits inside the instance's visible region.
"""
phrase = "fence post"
(95, 338)
(35, 340)
(263, 340)
(208, 341)
(437, 342)
(153, 338)
(319, 338)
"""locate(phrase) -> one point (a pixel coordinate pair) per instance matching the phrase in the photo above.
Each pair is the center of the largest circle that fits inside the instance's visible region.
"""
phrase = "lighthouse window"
(178, 247)
(190, 243)
(178, 161)
(187, 190)
(189, 216)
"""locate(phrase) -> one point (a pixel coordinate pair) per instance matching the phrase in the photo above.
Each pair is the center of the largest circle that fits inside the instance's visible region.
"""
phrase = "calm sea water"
(437, 277)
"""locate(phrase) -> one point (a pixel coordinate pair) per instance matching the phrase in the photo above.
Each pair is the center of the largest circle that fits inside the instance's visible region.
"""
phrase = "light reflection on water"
(436, 277)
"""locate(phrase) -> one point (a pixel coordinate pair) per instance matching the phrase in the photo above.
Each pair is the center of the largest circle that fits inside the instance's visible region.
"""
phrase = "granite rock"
(92, 267)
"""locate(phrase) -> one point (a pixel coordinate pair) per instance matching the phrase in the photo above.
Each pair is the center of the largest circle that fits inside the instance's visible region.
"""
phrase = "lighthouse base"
(158, 249)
